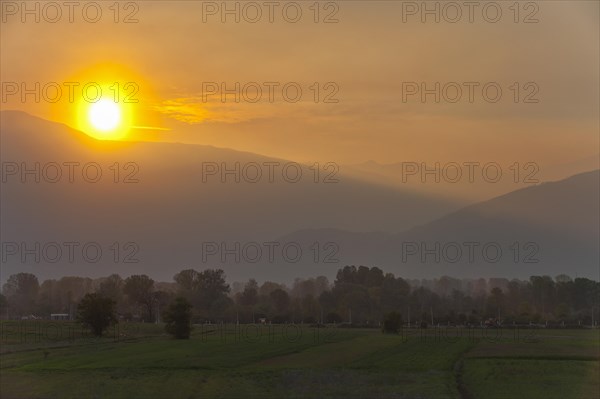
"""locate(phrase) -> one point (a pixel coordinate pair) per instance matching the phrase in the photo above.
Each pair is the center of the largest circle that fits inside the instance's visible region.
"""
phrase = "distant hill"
(555, 224)
(464, 190)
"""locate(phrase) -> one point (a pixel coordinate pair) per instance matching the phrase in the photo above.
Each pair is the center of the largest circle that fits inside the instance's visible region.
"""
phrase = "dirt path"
(460, 385)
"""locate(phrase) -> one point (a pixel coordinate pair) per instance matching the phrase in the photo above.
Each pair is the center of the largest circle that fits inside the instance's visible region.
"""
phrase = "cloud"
(195, 110)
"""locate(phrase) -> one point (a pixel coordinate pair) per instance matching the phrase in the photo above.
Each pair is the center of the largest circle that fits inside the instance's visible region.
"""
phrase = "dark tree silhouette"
(96, 312)
(21, 291)
(178, 318)
(139, 289)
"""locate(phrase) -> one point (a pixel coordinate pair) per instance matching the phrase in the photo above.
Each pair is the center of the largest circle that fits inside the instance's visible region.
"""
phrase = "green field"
(139, 361)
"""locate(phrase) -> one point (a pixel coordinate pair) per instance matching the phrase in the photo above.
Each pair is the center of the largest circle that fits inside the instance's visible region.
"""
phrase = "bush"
(179, 319)
(96, 312)
(392, 323)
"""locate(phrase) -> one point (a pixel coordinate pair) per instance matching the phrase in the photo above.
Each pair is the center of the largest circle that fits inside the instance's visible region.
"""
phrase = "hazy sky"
(369, 55)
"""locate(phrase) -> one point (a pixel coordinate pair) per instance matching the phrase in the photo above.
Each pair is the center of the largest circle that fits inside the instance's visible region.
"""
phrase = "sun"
(106, 101)
(105, 115)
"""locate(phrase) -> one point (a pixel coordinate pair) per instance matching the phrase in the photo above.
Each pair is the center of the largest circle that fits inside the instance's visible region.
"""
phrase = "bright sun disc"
(105, 115)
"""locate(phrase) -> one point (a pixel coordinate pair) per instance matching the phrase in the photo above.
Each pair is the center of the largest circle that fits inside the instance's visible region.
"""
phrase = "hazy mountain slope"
(170, 211)
(550, 229)
(399, 175)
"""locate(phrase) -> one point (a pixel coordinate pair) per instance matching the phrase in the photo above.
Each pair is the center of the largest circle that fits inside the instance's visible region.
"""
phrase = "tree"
(267, 287)
(327, 301)
(374, 277)
(186, 280)
(96, 312)
(21, 291)
(524, 312)
(3, 304)
(310, 309)
(562, 311)
(179, 319)
(392, 323)
(281, 303)
(394, 292)
(249, 296)
(139, 290)
(359, 294)
(247, 300)
(206, 290)
(112, 287)
(211, 285)
(495, 303)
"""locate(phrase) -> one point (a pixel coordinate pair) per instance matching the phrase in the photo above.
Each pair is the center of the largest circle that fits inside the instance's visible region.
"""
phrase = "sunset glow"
(304, 199)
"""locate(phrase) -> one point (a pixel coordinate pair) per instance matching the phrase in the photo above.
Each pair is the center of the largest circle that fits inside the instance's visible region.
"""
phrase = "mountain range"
(168, 206)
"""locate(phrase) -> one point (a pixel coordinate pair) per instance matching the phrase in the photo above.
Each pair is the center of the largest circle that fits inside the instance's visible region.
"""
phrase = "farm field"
(140, 361)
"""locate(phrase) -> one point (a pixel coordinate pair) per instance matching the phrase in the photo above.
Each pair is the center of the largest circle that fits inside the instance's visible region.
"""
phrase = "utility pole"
(432, 315)
(350, 314)
(408, 307)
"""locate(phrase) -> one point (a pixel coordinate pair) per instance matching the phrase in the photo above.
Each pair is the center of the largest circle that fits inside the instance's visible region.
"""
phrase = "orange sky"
(172, 55)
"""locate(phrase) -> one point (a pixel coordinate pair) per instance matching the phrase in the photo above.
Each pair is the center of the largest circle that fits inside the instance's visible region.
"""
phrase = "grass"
(277, 362)
(532, 378)
(557, 364)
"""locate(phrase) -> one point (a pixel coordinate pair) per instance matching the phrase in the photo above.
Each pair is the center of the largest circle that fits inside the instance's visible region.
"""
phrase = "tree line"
(358, 296)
